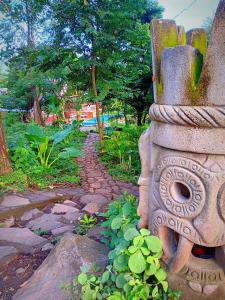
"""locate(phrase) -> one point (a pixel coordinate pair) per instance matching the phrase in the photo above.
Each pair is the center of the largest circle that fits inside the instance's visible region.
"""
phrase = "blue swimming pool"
(93, 121)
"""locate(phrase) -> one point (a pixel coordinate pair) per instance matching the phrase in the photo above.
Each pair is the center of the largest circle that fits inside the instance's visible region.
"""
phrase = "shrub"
(134, 271)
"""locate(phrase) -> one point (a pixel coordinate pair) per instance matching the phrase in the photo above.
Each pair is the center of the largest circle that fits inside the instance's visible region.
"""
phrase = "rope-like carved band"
(195, 116)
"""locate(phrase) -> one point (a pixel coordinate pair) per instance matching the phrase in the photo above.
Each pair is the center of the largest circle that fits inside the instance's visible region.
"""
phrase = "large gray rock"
(7, 253)
(97, 198)
(31, 214)
(13, 200)
(62, 209)
(46, 222)
(21, 238)
(61, 266)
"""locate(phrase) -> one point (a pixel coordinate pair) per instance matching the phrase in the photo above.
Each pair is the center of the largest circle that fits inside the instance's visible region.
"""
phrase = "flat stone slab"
(31, 214)
(92, 208)
(42, 196)
(62, 209)
(61, 266)
(21, 238)
(46, 222)
(7, 253)
(69, 202)
(72, 216)
(13, 200)
(61, 230)
(97, 198)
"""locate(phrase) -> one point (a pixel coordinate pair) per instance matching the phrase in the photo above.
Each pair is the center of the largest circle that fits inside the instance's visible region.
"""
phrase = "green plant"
(41, 232)
(44, 145)
(86, 223)
(121, 153)
(134, 271)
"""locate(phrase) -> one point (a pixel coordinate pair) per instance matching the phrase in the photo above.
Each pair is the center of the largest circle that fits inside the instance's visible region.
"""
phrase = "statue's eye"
(221, 201)
(182, 191)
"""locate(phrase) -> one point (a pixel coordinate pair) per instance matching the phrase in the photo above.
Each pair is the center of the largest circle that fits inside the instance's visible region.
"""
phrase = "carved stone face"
(187, 211)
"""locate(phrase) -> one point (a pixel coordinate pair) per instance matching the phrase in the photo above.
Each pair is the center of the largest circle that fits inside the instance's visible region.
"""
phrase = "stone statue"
(182, 184)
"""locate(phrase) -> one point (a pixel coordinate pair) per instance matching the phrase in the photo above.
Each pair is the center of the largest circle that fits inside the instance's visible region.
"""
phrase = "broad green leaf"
(160, 275)
(153, 243)
(138, 241)
(130, 234)
(132, 249)
(137, 263)
(116, 223)
(164, 285)
(105, 277)
(120, 263)
(120, 281)
(144, 232)
(70, 152)
(155, 292)
(82, 278)
(145, 251)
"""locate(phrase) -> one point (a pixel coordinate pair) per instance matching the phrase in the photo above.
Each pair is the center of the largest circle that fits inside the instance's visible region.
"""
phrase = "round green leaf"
(138, 241)
(120, 281)
(153, 243)
(82, 278)
(116, 223)
(130, 234)
(137, 263)
(155, 292)
(144, 232)
(120, 263)
(105, 277)
(160, 275)
(164, 285)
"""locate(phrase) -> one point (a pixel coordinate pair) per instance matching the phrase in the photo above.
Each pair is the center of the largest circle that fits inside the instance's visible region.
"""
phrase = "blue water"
(93, 121)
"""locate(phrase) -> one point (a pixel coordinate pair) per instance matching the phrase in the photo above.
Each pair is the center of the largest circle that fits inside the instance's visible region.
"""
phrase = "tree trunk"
(5, 166)
(38, 118)
(93, 79)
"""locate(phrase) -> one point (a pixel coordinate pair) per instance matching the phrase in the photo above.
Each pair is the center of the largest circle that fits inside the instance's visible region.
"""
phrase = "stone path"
(24, 215)
(94, 175)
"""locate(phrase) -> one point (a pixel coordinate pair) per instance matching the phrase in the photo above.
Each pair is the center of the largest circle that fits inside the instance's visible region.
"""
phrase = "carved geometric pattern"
(171, 178)
(194, 116)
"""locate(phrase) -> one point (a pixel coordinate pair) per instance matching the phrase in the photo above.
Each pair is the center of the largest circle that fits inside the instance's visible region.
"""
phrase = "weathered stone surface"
(69, 202)
(92, 208)
(21, 238)
(62, 209)
(97, 198)
(46, 222)
(46, 247)
(61, 266)
(61, 230)
(95, 233)
(42, 196)
(13, 200)
(7, 253)
(71, 217)
(182, 183)
(31, 214)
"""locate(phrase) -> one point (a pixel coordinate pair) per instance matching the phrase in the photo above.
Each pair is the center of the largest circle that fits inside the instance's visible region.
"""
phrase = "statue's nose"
(209, 227)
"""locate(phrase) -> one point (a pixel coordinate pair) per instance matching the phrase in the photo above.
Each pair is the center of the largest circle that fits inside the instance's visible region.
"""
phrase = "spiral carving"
(194, 116)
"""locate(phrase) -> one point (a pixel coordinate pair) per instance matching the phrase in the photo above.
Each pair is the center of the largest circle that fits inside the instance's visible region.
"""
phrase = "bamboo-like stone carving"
(182, 183)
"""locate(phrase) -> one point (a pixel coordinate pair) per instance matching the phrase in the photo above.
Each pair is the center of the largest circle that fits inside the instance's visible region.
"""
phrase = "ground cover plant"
(134, 271)
(121, 152)
(41, 157)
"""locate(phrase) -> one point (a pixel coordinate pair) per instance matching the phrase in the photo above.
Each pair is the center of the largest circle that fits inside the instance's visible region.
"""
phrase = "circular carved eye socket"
(182, 192)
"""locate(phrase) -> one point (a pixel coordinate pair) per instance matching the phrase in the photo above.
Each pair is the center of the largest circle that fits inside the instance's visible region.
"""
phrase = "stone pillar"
(182, 184)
